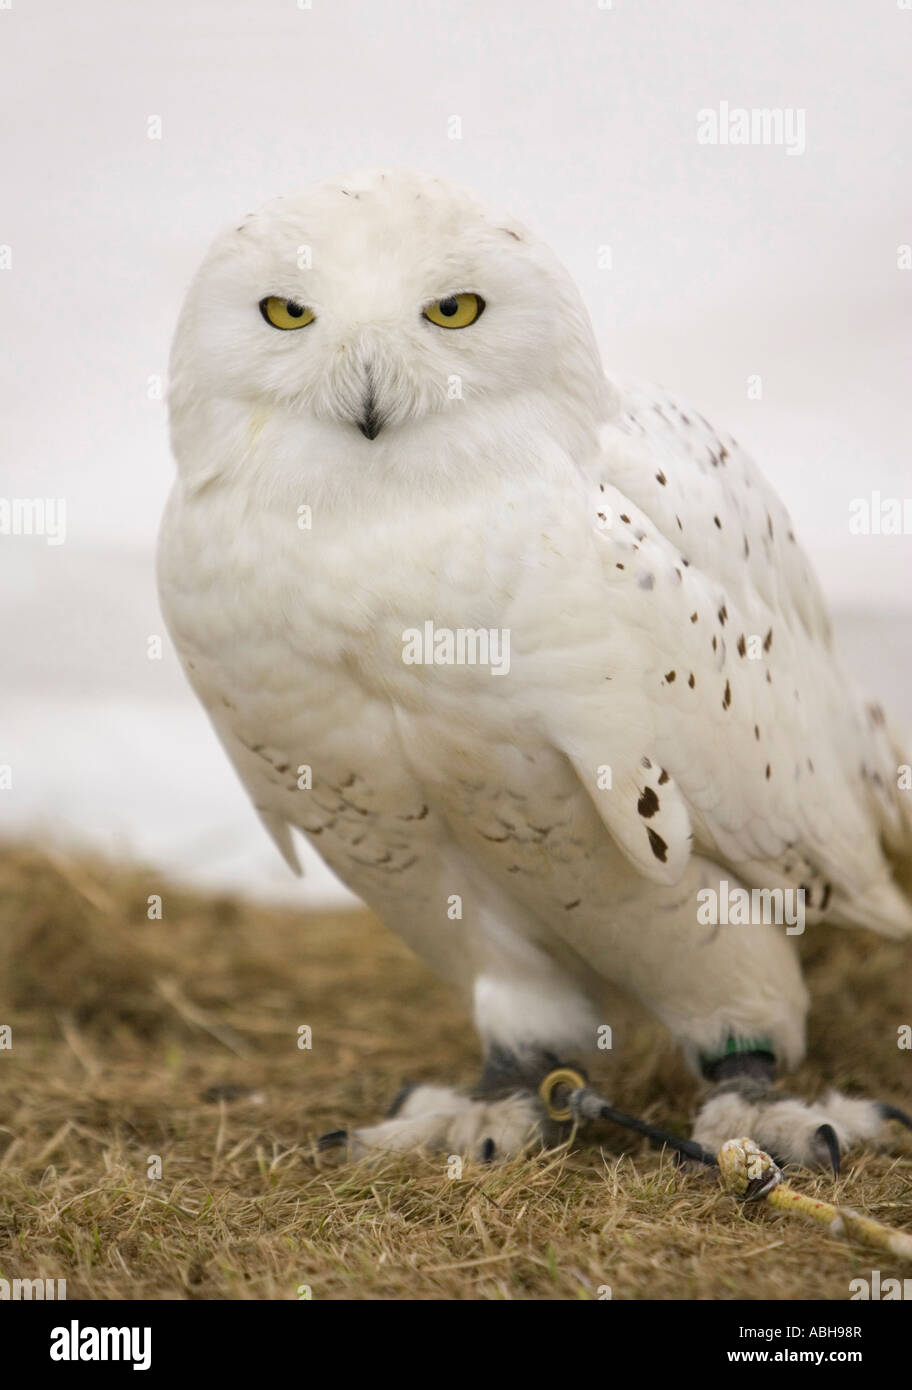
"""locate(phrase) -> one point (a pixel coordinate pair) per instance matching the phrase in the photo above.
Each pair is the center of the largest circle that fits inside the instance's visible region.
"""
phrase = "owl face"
(372, 303)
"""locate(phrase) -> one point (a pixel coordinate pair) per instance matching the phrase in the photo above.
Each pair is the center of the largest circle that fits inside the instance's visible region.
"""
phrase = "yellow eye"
(456, 311)
(285, 313)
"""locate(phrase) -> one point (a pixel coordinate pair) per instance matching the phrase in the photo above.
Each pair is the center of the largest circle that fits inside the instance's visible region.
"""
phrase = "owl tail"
(887, 906)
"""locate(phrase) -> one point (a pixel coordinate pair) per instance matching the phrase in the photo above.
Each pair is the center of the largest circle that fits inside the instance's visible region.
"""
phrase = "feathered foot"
(744, 1100)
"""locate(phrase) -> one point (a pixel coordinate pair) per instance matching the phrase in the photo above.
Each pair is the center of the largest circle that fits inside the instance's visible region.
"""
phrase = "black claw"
(827, 1134)
(488, 1150)
(335, 1139)
(893, 1112)
(399, 1099)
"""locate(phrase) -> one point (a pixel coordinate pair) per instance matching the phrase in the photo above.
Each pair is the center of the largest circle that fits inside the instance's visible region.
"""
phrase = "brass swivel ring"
(561, 1076)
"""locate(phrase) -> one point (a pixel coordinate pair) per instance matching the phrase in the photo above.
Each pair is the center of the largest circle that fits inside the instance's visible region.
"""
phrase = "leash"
(745, 1170)
(567, 1097)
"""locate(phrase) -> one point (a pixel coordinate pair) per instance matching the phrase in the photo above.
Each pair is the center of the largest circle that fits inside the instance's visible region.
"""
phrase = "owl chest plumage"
(335, 662)
(358, 672)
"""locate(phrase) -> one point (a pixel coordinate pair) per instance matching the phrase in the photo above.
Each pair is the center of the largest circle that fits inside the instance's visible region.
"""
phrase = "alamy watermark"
(752, 125)
(29, 1290)
(742, 907)
(34, 516)
(880, 1290)
(880, 516)
(460, 646)
(79, 1343)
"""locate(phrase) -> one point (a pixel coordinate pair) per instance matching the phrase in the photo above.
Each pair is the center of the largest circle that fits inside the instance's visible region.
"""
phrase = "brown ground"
(121, 1025)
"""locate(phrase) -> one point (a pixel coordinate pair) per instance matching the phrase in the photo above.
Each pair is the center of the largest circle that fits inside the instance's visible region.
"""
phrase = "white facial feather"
(366, 254)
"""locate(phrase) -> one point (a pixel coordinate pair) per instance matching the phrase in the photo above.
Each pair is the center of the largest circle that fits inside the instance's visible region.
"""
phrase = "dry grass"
(121, 1026)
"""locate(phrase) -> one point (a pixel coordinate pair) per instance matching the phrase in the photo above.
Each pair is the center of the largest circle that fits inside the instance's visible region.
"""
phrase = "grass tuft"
(137, 1041)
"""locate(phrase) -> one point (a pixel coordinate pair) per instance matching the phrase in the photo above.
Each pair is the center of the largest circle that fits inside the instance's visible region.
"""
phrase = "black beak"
(370, 422)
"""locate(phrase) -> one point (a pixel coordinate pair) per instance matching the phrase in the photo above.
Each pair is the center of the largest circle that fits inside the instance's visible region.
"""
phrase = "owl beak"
(370, 421)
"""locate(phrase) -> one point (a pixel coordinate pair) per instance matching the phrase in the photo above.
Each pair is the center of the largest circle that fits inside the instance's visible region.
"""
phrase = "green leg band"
(734, 1047)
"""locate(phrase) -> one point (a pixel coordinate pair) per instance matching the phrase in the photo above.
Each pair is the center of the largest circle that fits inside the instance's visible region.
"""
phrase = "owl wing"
(725, 716)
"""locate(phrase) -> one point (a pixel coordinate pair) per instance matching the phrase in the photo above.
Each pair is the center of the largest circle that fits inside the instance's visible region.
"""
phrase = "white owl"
(530, 655)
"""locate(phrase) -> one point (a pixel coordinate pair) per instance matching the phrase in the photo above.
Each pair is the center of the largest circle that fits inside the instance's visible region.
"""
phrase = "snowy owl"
(530, 654)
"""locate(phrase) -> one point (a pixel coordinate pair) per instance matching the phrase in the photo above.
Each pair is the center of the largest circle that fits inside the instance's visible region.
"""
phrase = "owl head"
(377, 317)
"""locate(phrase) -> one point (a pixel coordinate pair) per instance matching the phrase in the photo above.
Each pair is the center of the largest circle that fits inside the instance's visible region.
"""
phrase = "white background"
(726, 262)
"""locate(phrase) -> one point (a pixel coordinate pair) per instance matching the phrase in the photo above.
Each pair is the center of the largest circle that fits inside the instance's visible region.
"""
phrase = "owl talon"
(814, 1134)
(334, 1139)
(893, 1112)
(826, 1134)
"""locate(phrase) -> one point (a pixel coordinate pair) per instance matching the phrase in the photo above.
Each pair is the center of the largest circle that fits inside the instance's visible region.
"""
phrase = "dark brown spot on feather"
(648, 803)
(657, 844)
